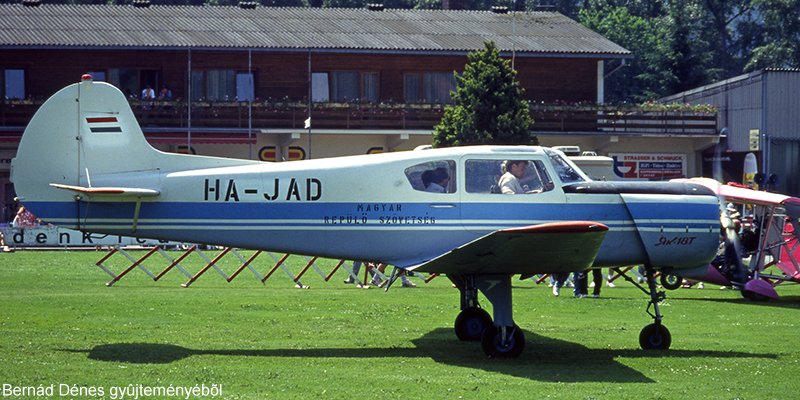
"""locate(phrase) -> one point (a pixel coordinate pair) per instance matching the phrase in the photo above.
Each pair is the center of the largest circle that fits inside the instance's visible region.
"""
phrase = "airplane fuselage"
(365, 207)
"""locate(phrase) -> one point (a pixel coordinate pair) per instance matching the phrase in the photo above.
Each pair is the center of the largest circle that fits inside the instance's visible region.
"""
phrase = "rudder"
(79, 135)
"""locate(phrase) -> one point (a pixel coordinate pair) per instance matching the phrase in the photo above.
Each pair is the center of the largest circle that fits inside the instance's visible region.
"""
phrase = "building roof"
(726, 84)
(275, 28)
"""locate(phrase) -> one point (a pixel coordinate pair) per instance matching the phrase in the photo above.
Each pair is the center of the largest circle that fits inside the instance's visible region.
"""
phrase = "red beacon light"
(86, 77)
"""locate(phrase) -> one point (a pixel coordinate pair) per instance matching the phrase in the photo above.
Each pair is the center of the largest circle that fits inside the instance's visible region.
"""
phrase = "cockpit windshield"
(565, 169)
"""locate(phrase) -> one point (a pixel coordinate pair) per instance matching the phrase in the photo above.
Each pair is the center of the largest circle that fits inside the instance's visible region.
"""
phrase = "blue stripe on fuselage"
(308, 214)
(302, 228)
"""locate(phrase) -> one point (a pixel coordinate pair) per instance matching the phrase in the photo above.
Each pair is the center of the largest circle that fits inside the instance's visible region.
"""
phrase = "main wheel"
(471, 322)
(655, 337)
(494, 346)
(671, 282)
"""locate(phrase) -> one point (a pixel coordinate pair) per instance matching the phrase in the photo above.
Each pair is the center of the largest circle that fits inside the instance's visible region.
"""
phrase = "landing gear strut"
(654, 336)
(500, 339)
(503, 341)
(472, 320)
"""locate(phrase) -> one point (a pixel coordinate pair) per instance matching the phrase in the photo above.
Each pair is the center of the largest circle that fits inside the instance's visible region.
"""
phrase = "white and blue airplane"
(83, 163)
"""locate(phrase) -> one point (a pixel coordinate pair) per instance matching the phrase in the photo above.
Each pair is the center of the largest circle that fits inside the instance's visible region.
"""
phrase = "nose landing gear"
(654, 336)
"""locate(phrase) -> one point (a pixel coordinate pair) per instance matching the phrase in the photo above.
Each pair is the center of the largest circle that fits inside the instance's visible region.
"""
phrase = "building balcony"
(175, 117)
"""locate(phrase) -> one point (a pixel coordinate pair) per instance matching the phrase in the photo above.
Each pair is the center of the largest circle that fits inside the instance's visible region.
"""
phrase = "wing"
(552, 247)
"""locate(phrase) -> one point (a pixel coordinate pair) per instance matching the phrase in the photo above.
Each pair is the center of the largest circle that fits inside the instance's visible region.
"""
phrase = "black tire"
(493, 347)
(671, 282)
(655, 337)
(471, 323)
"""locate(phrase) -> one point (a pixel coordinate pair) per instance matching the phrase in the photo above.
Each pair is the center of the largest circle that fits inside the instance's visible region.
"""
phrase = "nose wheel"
(655, 337)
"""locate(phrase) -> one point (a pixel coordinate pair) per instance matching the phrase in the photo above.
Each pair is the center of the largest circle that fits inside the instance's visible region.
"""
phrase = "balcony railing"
(553, 119)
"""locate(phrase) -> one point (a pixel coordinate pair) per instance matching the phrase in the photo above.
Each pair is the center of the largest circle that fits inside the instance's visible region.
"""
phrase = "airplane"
(761, 230)
(83, 163)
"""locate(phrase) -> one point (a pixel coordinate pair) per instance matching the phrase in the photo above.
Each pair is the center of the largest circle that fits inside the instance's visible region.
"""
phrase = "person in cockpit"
(439, 179)
(514, 171)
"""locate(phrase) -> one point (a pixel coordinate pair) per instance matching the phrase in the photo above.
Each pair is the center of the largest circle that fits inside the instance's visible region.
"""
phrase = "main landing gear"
(654, 336)
(501, 339)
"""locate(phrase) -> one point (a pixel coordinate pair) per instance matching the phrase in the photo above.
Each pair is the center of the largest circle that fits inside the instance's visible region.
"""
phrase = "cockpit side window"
(433, 176)
(487, 176)
(563, 168)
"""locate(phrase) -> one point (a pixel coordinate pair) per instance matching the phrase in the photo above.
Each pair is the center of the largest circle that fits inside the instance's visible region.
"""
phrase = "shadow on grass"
(781, 302)
(545, 359)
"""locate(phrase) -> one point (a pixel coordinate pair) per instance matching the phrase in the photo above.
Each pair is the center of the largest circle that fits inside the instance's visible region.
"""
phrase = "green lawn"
(61, 325)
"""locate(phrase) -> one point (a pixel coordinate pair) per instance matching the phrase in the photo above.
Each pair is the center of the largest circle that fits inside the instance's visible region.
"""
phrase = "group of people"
(558, 280)
(148, 93)
(580, 283)
(376, 269)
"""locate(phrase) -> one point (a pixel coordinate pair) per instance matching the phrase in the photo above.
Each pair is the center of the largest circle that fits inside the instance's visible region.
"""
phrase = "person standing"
(559, 279)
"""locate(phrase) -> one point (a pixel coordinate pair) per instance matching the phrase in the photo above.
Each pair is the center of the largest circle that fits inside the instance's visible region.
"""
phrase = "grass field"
(60, 325)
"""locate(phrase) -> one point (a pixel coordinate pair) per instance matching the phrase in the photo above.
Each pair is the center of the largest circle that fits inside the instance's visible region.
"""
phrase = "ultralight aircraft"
(760, 230)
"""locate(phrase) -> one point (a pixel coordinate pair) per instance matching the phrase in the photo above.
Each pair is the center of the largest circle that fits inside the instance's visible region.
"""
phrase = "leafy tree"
(727, 48)
(649, 74)
(284, 3)
(489, 106)
(691, 59)
(781, 48)
(569, 8)
(639, 8)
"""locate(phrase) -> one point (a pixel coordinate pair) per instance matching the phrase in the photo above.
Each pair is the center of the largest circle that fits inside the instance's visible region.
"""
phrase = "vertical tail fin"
(82, 133)
(86, 136)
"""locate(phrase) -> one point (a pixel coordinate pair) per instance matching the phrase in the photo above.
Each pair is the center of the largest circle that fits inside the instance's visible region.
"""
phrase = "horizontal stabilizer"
(552, 247)
(109, 192)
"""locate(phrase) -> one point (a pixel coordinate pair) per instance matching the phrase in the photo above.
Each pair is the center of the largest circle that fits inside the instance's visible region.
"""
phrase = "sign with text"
(754, 140)
(649, 166)
(53, 236)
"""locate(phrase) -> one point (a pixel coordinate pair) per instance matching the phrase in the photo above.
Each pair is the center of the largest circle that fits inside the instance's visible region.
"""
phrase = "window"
(438, 86)
(483, 176)
(131, 81)
(345, 86)
(14, 84)
(320, 92)
(369, 86)
(433, 176)
(428, 87)
(126, 79)
(98, 76)
(411, 88)
(221, 85)
(244, 86)
(565, 170)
